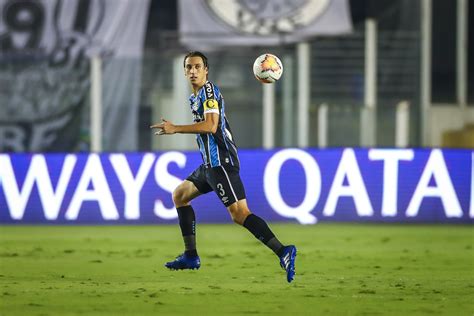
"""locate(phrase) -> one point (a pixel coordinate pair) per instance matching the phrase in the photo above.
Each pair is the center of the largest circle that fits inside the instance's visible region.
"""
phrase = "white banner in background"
(45, 47)
(213, 23)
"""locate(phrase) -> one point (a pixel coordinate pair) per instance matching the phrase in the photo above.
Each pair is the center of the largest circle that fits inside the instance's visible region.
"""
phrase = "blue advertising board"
(304, 186)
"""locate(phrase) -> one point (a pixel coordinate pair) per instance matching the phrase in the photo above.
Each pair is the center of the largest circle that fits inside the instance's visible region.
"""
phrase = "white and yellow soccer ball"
(267, 68)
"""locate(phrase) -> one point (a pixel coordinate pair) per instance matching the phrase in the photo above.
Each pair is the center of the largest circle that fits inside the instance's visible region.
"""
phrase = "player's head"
(196, 68)
(196, 54)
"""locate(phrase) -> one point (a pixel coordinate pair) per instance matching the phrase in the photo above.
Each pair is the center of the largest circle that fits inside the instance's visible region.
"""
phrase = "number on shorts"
(221, 189)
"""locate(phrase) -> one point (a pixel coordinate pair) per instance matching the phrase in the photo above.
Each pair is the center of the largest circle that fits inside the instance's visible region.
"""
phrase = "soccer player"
(219, 171)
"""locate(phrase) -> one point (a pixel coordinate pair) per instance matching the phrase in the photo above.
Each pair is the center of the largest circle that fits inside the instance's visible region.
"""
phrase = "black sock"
(187, 223)
(259, 228)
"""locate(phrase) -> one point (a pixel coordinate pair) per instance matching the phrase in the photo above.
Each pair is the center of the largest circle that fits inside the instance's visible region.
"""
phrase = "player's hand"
(165, 127)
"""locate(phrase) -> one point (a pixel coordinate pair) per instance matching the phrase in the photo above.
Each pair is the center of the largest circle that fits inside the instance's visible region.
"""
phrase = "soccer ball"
(267, 68)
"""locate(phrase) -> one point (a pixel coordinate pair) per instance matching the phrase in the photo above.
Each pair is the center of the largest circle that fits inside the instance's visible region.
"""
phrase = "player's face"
(195, 71)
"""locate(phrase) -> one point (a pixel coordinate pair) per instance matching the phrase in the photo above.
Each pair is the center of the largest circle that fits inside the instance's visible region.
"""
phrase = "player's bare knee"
(178, 197)
(237, 219)
(239, 215)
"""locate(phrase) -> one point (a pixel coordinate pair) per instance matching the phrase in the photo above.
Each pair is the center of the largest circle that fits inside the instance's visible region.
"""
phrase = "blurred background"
(93, 75)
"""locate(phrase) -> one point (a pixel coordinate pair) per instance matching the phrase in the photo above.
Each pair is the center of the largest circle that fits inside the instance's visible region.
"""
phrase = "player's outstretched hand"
(165, 127)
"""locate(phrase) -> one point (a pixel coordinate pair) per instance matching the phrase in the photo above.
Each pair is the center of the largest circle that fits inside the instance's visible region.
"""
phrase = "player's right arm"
(209, 125)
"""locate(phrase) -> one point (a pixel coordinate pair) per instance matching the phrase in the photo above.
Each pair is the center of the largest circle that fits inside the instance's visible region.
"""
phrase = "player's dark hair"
(196, 54)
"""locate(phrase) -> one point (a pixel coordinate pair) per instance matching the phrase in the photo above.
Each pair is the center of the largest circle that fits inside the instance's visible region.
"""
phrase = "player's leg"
(258, 227)
(227, 184)
(241, 215)
(184, 193)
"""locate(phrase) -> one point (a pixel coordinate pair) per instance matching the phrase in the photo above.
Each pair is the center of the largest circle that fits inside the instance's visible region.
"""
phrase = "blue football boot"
(184, 262)
(287, 262)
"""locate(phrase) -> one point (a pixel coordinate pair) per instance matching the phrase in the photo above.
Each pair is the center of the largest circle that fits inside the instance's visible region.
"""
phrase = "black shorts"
(224, 180)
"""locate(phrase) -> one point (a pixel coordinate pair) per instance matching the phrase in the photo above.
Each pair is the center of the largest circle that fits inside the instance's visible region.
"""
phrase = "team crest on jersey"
(265, 17)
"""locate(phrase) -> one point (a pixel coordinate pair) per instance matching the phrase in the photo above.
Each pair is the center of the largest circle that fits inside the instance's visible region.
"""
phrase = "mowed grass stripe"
(352, 269)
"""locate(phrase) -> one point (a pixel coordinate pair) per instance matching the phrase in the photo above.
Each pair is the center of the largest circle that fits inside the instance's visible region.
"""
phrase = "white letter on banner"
(436, 168)
(167, 181)
(349, 168)
(390, 175)
(131, 186)
(93, 173)
(51, 200)
(271, 185)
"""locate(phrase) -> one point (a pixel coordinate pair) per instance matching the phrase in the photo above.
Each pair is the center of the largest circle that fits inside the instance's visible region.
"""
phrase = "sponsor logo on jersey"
(209, 90)
(197, 117)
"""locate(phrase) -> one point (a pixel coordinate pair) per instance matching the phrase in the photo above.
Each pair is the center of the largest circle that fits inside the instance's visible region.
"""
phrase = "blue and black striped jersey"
(219, 148)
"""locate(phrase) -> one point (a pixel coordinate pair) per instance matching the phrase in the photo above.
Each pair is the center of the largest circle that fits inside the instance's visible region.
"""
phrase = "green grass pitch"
(342, 269)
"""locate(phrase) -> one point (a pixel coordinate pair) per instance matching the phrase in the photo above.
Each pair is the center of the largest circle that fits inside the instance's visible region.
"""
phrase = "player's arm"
(209, 125)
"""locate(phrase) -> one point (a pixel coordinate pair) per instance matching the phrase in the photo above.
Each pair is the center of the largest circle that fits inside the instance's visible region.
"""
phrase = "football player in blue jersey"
(219, 171)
